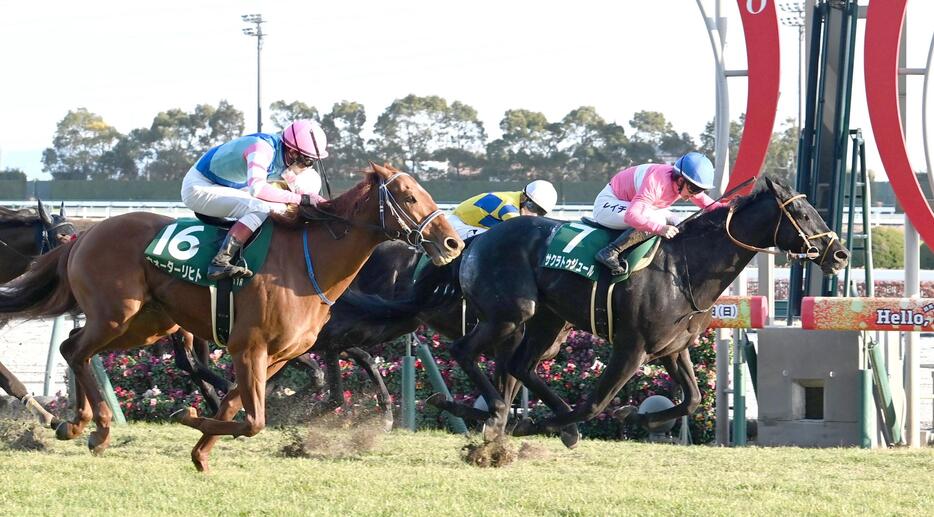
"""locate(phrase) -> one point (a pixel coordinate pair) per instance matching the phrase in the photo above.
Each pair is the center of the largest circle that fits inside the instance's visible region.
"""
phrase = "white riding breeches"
(206, 197)
(463, 229)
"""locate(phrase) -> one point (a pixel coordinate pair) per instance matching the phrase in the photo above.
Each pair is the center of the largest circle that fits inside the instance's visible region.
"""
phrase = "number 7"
(584, 232)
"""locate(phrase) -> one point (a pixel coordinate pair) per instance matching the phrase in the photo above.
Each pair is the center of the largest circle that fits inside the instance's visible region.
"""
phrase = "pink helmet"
(306, 137)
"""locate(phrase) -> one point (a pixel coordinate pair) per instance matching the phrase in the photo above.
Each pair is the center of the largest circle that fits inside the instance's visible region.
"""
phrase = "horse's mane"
(21, 216)
(342, 207)
(716, 219)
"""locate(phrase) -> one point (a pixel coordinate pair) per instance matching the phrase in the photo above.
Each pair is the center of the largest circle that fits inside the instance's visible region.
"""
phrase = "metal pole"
(259, 104)
(408, 387)
(54, 343)
(716, 32)
(912, 364)
(437, 382)
(739, 377)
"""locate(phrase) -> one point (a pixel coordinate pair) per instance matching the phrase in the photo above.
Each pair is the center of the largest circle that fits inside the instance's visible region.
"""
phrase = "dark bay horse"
(24, 235)
(658, 312)
(129, 303)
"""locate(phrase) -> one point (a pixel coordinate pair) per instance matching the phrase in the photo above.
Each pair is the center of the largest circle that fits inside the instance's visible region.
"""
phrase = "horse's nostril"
(841, 255)
(452, 244)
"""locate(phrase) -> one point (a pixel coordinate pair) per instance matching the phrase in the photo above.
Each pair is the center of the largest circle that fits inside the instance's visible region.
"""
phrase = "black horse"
(657, 313)
(24, 235)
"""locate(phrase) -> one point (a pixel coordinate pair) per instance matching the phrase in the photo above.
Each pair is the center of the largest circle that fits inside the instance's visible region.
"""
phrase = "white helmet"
(543, 194)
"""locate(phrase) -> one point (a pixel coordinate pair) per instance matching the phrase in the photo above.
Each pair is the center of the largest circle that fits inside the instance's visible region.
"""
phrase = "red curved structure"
(883, 30)
(760, 25)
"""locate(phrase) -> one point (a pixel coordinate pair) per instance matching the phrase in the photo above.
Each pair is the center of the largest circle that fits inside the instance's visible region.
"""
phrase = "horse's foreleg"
(251, 374)
(365, 361)
(10, 384)
(681, 369)
(466, 350)
(228, 407)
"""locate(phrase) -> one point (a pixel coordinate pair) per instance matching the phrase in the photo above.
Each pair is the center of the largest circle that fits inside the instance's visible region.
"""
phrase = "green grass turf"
(147, 471)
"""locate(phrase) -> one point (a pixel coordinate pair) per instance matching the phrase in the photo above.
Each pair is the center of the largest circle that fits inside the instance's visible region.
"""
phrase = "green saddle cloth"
(574, 245)
(184, 249)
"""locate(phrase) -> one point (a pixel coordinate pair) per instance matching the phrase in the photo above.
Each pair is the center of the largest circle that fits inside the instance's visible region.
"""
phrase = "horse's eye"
(410, 200)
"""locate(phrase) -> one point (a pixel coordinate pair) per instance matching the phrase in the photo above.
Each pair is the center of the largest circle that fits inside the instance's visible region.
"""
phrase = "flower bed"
(150, 387)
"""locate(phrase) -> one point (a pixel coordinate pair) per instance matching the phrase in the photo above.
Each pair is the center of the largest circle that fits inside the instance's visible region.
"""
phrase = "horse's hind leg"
(139, 327)
(69, 430)
(540, 334)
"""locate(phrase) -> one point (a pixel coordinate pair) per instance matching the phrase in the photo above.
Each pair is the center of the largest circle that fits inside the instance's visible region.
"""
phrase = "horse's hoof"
(201, 465)
(624, 413)
(570, 436)
(492, 432)
(97, 443)
(65, 431)
(387, 423)
(437, 400)
(184, 415)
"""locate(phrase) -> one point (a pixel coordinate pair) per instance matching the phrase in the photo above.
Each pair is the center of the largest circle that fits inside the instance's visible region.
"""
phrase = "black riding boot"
(221, 267)
(609, 256)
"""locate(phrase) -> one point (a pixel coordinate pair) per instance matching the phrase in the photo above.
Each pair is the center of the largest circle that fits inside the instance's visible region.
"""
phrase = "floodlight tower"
(257, 32)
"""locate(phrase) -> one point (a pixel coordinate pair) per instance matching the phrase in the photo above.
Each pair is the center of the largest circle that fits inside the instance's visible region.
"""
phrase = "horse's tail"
(43, 290)
(435, 287)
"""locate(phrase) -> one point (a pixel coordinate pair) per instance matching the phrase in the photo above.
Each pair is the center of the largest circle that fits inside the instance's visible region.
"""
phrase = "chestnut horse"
(313, 257)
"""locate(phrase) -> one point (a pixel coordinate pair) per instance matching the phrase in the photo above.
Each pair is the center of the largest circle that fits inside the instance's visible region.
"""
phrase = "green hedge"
(888, 250)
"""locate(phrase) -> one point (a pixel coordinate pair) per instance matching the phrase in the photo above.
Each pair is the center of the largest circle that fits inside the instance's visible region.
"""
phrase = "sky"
(127, 61)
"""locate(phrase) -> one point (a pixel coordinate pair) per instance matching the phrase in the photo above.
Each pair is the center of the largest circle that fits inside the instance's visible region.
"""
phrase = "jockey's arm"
(258, 157)
(642, 216)
(703, 201)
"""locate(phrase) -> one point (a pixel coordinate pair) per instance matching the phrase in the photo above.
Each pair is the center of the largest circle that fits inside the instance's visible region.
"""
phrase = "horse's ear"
(381, 170)
(769, 183)
(43, 214)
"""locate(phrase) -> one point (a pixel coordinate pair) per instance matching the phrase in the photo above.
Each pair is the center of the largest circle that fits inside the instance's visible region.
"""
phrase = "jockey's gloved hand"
(311, 199)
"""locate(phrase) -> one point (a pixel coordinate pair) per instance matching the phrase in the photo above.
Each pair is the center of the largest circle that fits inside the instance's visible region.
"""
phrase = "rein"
(810, 252)
(411, 231)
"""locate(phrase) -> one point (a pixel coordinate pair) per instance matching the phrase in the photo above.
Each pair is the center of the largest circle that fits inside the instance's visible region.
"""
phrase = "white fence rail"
(883, 216)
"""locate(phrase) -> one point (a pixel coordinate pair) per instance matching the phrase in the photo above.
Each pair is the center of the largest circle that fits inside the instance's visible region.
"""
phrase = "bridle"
(44, 242)
(811, 252)
(411, 231)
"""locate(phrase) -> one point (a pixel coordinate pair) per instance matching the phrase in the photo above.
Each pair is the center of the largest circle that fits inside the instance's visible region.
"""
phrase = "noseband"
(411, 231)
(810, 251)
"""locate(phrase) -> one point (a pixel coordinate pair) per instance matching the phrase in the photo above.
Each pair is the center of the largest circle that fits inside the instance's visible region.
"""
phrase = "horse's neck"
(714, 261)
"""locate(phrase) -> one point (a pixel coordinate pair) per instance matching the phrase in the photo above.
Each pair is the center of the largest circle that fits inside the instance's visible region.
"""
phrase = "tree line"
(426, 135)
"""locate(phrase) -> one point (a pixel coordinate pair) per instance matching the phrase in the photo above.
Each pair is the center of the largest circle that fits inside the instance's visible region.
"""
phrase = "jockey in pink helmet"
(232, 181)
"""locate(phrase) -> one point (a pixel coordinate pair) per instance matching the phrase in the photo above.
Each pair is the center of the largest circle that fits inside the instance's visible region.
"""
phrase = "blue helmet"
(697, 169)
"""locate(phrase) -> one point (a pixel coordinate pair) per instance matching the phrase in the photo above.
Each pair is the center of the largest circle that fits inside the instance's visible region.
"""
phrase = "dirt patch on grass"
(531, 451)
(334, 437)
(23, 436)
(497, 453)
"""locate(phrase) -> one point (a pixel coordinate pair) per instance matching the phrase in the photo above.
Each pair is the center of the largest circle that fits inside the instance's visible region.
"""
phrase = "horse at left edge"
(25, 235)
